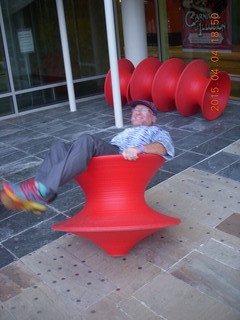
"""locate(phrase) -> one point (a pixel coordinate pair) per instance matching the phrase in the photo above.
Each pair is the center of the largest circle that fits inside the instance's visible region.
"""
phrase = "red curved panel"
(165, 83)
(142, 78)
(125, 69)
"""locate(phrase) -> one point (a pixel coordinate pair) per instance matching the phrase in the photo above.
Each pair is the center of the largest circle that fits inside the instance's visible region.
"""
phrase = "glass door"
(6, 105)
(35, 53)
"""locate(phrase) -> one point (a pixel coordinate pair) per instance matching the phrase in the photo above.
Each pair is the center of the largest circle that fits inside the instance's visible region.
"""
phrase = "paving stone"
(72, 132)
(8, 129)
(41, 302)
(178, 134)
(26, 242)
(12, 157)
(50, 125)
(5, 314)
(218, 127)
(127, 273)
(136, 310)
(37, 144)
(183, 161)
(6, 150)
(217, 162)
(23, 120)
(168, 246)
(232, 134)
(210, 277)
(211, 146)
(232, 171)
(176, 300)
(107, 308)
(13, 225)
(228, 239)
(68, 200)
(221, 252)
(162, 250)
(23, 136)
(61, 127)
(69, 277)
(194, 234)
(14, 278)
(6, 213)
(159, 176)
(233, 148)
(189, 123)
(79, 247)
(19, 168)
(198, 195)
(6, 257)
(194, 140)
(231, 225)
(169, 118)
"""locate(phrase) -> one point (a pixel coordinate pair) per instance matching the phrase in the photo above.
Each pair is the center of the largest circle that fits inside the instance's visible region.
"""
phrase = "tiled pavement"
(190, 271)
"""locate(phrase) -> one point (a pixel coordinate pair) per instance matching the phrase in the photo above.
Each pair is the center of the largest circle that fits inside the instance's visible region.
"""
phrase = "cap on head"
(146, 103)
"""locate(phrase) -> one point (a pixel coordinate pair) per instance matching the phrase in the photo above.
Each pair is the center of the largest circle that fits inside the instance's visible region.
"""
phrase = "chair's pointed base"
(115, 241)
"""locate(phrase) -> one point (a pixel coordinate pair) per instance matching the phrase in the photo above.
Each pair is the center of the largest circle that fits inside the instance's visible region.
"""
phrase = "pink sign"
(206, 24)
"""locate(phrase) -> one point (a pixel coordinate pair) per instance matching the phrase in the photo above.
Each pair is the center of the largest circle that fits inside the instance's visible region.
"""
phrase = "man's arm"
(154, 148)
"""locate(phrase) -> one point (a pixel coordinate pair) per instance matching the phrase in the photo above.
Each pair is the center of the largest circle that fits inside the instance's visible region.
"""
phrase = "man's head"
(144, 113)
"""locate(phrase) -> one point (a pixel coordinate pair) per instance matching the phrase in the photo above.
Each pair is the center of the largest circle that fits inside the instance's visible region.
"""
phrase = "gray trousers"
(65, 161)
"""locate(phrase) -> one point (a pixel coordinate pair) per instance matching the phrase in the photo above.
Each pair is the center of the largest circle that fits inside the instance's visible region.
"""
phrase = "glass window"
(41, 98)
(85, 22)
(4, 82)
(89, 88)
(6, 106)
(151, 28)
(203, 29)
(35, 51)
(33, 39)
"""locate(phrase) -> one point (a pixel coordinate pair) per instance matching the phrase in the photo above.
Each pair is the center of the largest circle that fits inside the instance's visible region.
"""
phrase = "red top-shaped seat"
(116, 215)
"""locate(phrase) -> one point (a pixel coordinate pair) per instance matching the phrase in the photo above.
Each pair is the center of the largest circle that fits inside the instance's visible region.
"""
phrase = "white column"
(134, 30)
(66, 55)
(112, 51)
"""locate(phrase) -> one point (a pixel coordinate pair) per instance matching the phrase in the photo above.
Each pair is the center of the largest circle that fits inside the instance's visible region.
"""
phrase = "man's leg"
(64, 162)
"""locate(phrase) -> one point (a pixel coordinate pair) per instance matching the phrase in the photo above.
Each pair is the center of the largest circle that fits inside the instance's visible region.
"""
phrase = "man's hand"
(131, 153)
(154, 148)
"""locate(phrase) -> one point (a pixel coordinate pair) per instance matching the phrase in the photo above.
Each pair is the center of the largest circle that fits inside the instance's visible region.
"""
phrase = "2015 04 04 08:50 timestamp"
(215, 59)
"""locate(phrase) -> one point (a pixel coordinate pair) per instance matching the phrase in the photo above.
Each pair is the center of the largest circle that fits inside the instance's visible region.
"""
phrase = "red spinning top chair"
(116, 215)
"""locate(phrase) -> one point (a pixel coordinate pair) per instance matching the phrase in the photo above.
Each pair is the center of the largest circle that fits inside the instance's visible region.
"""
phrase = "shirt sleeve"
(163, 137)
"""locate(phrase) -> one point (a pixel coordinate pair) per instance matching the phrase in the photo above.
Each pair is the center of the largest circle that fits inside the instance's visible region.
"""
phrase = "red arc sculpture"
(174, 85)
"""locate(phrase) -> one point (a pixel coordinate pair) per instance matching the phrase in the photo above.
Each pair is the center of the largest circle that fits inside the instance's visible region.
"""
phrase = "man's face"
(142, 116)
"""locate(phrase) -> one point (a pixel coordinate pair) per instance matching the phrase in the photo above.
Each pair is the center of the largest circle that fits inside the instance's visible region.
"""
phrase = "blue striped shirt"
(141, 135)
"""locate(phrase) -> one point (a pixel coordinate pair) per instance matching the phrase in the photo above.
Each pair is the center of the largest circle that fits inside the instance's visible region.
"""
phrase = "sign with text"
(25, 40)
(201, 30)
